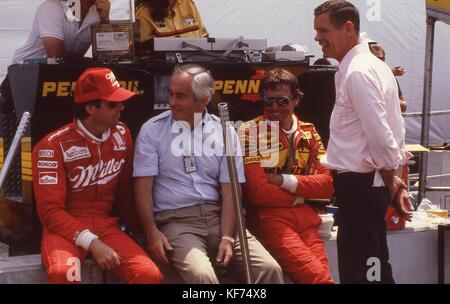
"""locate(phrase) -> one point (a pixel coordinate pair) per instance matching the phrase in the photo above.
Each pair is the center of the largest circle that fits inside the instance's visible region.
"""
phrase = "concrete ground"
(413, 256)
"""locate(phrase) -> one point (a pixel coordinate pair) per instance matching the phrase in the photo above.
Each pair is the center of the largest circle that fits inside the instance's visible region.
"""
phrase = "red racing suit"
(289, 232)
(77, 183)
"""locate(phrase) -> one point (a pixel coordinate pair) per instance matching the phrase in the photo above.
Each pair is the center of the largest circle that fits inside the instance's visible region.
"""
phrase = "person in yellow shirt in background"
(169, 18)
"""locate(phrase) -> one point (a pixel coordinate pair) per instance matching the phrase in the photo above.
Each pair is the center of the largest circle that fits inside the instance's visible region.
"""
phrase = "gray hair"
(202, 81)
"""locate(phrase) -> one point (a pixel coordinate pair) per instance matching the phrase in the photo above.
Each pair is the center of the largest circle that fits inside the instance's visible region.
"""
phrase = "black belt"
(350, 173)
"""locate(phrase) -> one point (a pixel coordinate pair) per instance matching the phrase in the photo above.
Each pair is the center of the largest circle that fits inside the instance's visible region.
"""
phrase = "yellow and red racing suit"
(287, 228)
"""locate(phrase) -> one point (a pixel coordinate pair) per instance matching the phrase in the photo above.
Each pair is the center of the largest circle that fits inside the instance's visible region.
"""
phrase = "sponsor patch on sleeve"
(252, 160)
(46, 153)
(321, 147)
(48, 178)
(47, 164)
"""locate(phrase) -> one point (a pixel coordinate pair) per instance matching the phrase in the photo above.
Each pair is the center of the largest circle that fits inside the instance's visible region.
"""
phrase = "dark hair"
(79, 109)
(277, 77)
(340, 11)
(159, 9)
(322, 61)
(375, 48)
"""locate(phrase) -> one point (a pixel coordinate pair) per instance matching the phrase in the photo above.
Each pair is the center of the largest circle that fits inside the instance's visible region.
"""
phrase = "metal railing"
(433, 113)
(24, 122)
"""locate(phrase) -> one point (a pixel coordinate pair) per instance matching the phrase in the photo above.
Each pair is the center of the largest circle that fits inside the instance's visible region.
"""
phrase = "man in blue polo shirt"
(183, 189)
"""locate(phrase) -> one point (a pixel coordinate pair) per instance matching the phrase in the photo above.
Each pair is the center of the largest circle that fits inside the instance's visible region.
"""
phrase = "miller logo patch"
(48, 178)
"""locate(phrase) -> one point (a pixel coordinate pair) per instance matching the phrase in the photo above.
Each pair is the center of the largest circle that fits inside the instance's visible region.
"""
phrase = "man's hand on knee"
(158, 245)
(225, 253)
(104, 256)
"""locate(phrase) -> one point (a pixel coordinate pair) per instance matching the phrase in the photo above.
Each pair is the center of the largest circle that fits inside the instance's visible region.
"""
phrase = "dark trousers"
(363, 255)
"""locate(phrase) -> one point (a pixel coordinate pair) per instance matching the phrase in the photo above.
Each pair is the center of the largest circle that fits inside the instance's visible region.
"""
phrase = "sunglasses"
(112, 105)
(280, 100)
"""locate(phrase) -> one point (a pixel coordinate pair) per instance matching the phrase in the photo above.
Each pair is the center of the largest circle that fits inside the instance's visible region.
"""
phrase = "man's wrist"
(228, 238)
(85, 239)
(151, 229)
(399, 185)
(400, 182)
(289, 182)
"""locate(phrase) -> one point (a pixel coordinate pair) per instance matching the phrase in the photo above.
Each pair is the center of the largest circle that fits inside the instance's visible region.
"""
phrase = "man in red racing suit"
(79, 173)
(282, 169)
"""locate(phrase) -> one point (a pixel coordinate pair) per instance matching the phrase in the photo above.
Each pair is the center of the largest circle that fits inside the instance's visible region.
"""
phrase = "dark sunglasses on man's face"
(112, 105)
(280, 100)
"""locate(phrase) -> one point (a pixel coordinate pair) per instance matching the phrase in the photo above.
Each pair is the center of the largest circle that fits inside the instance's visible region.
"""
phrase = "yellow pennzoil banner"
(439, 9)
(439, 4)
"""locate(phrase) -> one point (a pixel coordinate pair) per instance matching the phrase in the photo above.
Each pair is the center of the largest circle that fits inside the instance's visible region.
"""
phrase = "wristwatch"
(228, 238)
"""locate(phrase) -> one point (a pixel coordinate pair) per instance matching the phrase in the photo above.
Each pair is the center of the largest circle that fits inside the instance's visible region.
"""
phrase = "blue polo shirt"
(164, 145)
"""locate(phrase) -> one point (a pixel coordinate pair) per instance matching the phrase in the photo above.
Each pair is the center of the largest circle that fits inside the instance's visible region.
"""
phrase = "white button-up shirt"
(367, 131)
(158, 152)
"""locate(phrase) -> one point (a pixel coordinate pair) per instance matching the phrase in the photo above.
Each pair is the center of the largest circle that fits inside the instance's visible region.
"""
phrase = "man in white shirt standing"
(366, 146)
(59, 32)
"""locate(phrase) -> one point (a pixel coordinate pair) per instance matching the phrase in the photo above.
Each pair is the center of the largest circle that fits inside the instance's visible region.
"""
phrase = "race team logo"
(77, 150)
(48, 178)
(45, 164)
(46, 153)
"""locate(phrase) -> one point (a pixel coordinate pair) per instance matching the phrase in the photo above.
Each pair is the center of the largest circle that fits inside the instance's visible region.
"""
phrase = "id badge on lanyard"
(189, 163)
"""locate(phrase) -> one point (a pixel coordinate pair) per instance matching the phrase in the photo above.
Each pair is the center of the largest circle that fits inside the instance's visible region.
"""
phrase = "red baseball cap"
(99, 83)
